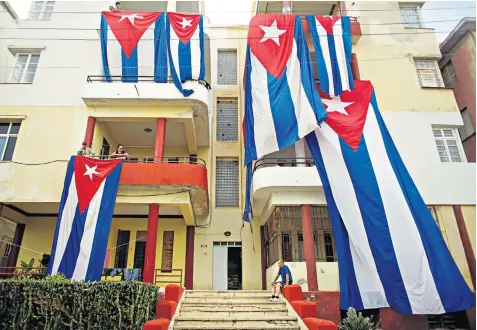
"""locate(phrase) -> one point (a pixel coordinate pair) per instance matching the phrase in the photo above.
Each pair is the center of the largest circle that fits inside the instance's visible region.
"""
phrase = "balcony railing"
(165, 160)
(283, 162)
(22, 272)
(168, 276)
(151, 79)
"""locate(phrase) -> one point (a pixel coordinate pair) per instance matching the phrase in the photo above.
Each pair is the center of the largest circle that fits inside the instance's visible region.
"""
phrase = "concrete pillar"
(189, 262)
(160, 139)
(88, 136)
(309, 247)
(151, 240)
(464, 236)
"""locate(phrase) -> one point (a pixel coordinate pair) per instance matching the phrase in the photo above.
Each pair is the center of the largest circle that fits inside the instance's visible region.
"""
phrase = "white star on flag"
(272, 32)
(336, 105)
(185, 22)
(90, 171)
(131, 17)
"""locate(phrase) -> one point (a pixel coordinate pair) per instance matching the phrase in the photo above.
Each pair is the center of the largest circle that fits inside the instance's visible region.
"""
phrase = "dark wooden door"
(122, 247)
(167, 250)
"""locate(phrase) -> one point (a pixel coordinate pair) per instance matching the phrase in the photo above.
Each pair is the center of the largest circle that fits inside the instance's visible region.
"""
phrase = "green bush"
(58, 303)
(356, 321)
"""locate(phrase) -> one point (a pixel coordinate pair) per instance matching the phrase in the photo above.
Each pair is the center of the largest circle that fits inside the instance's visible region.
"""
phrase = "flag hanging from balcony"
(390, 250)
(127, 51)
(84, 218)
(185, 46)
(282, 104)
(332, 42)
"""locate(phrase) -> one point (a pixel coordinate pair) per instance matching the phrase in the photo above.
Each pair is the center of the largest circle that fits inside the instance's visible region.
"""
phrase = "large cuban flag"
(332, 42)
(282, 104)
(185, 41)
(390, 250)
(84, 218)
(124, 54)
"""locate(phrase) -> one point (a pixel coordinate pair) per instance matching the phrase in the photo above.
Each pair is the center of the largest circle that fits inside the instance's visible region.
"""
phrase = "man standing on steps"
(287, 279)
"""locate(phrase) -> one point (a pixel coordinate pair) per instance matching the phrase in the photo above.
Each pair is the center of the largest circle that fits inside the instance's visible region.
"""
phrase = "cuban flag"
(125, 50)
(185, 46)
(282, 104)
(332, 42)
(84, 218)
(390, 250)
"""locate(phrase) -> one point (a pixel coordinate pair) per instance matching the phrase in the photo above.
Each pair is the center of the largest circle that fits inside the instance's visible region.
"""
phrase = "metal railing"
(165, 159)
(168, 276)
(128, 79)
(283, 162)
(29, 272)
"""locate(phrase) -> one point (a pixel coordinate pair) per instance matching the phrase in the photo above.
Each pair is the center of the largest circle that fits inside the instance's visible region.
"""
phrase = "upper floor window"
(428, 72)
(227, 67)
(468, 129)
(227, 183)
(8, 139)
(448, 145)
(41, 10)
(410, 16)
(227, 120)
(448, 74)
(25, 68)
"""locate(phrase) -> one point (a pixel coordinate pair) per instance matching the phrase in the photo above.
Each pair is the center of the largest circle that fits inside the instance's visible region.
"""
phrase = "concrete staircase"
(246, 310)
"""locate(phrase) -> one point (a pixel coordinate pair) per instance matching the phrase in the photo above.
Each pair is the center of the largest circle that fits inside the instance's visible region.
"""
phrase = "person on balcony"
(85, 151)
(120, 153)
(287, 279)
(117, 7)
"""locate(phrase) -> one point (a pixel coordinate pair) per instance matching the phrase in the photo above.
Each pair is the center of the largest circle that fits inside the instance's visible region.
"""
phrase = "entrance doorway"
(122, 247)
(140, 250)
(227, 266)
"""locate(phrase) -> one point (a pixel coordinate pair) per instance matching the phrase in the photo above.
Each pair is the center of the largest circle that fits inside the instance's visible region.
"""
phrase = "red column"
(309, 247)
(464, 236)
(160, 139)
(88, 136)
(355, 67)
(151, 240)
(189, 266)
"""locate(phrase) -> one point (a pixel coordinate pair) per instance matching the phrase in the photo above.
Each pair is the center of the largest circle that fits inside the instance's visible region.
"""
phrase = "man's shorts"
(282, 284)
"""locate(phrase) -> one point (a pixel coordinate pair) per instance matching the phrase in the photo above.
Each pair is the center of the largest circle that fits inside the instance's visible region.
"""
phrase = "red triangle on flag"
(128, 27)
(184, 25)
(89, 174)
(327, 22)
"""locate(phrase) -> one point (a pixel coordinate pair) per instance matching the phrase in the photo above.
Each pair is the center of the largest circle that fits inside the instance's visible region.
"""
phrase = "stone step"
(234, 303)
(230, 314)
(205, 293)
(225, 300)
(234, 309)
(263, 322)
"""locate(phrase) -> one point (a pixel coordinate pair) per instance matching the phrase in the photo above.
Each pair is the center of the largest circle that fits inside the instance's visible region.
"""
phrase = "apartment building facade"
(54, 97)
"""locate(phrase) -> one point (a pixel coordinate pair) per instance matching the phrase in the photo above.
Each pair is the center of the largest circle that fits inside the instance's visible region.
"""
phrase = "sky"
(222, 12)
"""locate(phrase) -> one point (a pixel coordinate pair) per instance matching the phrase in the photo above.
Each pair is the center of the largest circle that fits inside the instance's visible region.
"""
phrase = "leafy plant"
(356, 321)
(56, 303)
(29, 271)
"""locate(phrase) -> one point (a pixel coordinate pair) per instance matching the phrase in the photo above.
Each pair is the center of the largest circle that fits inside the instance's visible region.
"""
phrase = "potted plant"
(356, 321)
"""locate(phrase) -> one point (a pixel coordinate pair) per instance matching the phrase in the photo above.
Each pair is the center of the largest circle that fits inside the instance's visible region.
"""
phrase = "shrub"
(58, 303)
(356, 321)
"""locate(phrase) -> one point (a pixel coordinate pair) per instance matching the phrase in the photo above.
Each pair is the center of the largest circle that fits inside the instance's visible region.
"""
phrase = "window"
(448, 145)
(167, 251)
(8, 139)
(227, 67)
(25, 68)
(8, 248)
(227, 121)
(410, 16)
(448, 74)
(286, 247)
(429, 74)
(455, 320)
(41, 10)
(468, 129)
(227, 183)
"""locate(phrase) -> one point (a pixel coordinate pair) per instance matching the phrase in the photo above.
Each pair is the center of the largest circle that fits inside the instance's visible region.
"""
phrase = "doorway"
(105, 149)
(140, 250)
(227, 266)
(122, 247)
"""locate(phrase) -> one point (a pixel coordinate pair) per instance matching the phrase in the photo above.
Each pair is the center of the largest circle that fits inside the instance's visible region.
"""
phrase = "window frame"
(8, 135)
(43, 10)
(455, 137)
(218, 119)
(222, 50)
(463, 133)
(407, 24)
(25, 68)
(237, 191)
(450, 72)
(440, 81)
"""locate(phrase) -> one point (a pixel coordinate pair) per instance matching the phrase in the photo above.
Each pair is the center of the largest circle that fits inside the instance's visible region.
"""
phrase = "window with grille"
(410, 16)
(448, 74)
(227, 183)
(286, 247)
(8, 248)
(468, 129)
(428, 72)
(8, 139)
(448, 145)
(25, 68)
(455, 320)
(227, 120)
(41, 10)
(227, 67)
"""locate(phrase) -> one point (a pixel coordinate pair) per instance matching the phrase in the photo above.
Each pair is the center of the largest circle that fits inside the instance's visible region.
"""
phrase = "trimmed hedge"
(56, 303)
